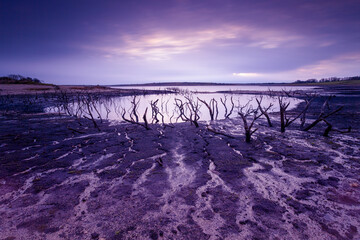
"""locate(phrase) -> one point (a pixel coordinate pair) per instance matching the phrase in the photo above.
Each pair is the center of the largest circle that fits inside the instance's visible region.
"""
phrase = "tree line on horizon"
(330, 79)
(18, 79)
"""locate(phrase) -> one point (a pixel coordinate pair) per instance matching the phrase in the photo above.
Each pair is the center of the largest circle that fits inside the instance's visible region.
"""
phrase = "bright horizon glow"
(246, 74)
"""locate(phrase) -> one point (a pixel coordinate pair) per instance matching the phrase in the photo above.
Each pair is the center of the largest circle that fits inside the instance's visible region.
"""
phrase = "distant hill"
(18, 79)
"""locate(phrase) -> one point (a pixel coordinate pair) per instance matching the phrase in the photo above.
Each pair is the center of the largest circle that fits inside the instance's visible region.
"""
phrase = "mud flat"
(31, 89)
(125, 182)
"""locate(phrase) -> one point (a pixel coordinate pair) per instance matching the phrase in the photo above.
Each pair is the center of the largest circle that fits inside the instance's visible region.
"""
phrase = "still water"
(114, 108)
(217, 88)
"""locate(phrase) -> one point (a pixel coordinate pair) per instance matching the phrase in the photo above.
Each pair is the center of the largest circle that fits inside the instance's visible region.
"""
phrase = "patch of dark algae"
(175, 183)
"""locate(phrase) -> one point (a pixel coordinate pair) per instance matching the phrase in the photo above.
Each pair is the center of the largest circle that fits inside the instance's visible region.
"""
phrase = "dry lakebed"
(62, 178)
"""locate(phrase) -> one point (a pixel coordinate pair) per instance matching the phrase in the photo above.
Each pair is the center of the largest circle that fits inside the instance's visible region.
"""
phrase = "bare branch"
(244, 112)
(211, 107)
(264, 111)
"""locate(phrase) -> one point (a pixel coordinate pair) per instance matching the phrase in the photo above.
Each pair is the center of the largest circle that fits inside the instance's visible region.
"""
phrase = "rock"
(95, 235)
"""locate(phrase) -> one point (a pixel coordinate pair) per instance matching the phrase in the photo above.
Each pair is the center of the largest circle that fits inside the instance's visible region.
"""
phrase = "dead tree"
(227, 112)
(188, 111)
(146, 125)
(67, 103)
(64, 99)
(180, 106)
(194, 109)
(212, 106)
(133, 114)
(89, 105)
(285, 120)
(135, 106)
(308, 99)
(107, 107)
(244, 112)
(265, 110)
(155, 111)
(170, 119)
(133, 121)
(322, 117)
(95, 104)
(77, 106)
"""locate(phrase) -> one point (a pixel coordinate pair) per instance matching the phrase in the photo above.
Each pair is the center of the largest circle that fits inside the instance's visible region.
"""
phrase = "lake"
(168, 104)
(217, 88)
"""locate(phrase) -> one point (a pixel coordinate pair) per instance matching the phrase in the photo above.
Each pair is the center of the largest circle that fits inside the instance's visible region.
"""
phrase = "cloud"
(345, 65)
(163, 44)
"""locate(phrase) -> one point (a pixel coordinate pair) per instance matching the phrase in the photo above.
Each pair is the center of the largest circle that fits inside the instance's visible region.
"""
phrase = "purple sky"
(134, 41)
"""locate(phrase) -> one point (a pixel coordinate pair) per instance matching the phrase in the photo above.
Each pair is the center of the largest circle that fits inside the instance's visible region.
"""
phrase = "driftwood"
(74, 130)
(219, 133)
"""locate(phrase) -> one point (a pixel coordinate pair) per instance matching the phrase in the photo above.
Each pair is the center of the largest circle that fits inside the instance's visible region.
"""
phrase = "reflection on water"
(113, 108)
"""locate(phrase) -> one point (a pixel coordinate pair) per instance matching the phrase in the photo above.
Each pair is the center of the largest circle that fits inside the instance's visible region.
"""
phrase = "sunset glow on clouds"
(162, 45)
(148, 41)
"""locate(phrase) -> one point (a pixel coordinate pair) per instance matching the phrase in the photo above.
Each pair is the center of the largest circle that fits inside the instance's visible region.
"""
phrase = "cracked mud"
(175, 183)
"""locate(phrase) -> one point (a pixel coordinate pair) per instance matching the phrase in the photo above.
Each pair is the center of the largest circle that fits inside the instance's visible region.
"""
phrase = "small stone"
(95, 235)
(153, 235)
